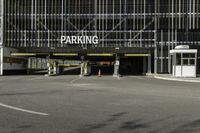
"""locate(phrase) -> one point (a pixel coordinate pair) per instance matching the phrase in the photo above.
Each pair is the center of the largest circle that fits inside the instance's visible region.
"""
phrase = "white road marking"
(118, 78)
(36, 78)
(176, 79)
(74, 80)
(136, 77)
(22, 110)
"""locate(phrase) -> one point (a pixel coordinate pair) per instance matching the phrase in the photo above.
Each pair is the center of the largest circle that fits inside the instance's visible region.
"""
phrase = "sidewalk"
(169, 77)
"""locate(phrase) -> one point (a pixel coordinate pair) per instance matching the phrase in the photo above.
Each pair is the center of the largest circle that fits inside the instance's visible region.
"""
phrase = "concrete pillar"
(116, 67)
(1, 35)
(88, 68)
(149, 65)
(82, 66)
(28, 66)
(155, 60)
(49, 67)
(52, 67)
(144, 65)
(55, 68)
(1, 22)
(85, 68)
(82, 69)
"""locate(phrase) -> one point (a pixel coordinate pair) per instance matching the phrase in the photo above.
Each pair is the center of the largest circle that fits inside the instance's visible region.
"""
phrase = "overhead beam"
(137, 55)
(99, 54)
(23, 54)
(65, 54)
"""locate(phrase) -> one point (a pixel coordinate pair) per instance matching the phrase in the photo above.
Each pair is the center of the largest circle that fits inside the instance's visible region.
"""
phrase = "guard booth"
(184, 61)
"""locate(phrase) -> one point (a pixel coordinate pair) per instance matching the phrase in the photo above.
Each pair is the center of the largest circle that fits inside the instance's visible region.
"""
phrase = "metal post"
(62, 22)
(161, 50)
(172, 23)
(45, 12)
(32, 9)
(155, 44)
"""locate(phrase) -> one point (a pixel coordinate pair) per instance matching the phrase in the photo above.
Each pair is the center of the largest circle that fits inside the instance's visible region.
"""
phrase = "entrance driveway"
(69, 104)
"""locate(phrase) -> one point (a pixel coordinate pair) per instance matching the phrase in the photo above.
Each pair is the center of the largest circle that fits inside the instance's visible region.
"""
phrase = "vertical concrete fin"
(1, 35)
(1, 21)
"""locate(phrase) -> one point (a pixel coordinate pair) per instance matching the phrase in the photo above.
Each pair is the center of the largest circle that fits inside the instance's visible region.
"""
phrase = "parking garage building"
(118, 37)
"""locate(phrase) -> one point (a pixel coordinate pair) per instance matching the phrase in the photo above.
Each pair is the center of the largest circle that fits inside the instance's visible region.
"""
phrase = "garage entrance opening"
(106, 68)
(133, 66)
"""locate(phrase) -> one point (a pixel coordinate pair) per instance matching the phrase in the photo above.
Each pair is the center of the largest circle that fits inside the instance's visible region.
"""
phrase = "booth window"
(189, 62)
(185, 55)
(192, 62)
(185, 61)
(178, 59)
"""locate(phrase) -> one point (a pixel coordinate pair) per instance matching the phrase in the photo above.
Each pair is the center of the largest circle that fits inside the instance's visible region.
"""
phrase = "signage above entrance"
(79, 40)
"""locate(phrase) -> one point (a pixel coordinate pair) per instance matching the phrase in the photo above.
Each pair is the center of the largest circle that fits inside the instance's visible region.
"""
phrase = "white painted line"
(136, 77)
(74, 80)
(181, 80)
(35, 78)
(118, 78)
(22, 110)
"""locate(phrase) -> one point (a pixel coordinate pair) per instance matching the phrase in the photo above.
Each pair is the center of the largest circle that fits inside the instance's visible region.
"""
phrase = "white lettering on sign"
(79, 40)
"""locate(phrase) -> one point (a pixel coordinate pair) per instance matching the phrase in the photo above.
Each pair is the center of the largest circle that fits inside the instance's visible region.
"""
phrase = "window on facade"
(178, 59)
(185, 62)
(188, 55)
(178, 56)
(192, 62)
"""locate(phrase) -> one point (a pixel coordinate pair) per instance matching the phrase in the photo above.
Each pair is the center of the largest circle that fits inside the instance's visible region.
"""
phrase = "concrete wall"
(11, 65)
(184, 71)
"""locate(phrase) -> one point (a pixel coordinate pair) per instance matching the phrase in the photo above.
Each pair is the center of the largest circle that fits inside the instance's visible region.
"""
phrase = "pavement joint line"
(35, 78)
(136, 77)
(74, 80)
(181, 80)
(23, 110)
(118, 78)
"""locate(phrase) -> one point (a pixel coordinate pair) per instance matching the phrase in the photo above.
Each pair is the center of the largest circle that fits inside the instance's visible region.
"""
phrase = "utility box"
(184, 61)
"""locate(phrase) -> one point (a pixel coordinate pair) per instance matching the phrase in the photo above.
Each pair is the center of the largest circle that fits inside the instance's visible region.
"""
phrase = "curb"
(175, 79)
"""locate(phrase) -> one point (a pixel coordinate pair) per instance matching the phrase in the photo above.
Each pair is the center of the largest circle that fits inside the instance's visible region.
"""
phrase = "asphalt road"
(67, 104)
